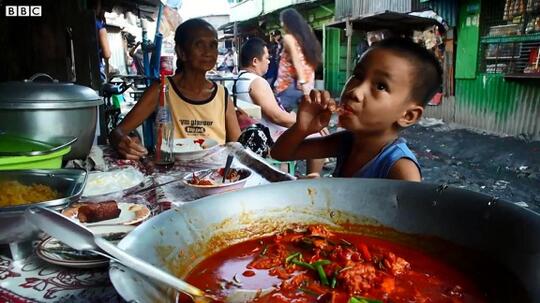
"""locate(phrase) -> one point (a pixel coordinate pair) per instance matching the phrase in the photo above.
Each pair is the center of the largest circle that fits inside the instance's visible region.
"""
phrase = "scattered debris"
(501, 184)
(429, 122)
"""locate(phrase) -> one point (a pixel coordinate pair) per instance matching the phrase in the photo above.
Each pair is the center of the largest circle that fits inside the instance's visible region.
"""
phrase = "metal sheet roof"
(389, 20)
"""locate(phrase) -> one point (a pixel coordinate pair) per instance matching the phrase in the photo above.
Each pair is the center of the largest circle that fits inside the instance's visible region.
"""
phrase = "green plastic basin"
(9, 143)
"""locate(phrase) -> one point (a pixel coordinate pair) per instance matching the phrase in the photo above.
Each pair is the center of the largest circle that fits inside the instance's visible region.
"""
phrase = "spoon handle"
(227, 167)
(142, 190)
(145, 268)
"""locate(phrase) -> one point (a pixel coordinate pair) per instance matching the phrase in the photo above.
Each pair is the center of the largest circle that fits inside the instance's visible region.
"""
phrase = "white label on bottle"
(163, 116)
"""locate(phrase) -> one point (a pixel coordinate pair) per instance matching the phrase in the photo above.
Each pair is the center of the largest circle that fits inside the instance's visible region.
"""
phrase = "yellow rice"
(13, 193)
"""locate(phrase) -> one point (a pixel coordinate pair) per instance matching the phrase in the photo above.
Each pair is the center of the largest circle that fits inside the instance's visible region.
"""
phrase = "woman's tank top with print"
(200, 118)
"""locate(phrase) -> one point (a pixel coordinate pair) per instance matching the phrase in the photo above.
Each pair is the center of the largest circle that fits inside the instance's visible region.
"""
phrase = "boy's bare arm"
(293, 145)
(405, 169)
(313, 116)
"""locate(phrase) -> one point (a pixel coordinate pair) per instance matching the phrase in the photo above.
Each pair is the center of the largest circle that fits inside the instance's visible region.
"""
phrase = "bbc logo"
(23, 11)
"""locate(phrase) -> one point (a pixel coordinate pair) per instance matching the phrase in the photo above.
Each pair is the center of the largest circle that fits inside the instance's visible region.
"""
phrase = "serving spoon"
(79, 237)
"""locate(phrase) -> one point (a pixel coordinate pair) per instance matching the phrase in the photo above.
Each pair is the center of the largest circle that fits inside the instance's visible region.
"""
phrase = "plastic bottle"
(164, 129)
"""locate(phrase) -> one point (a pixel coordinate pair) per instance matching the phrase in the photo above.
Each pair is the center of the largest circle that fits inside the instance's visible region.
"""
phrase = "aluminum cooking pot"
(499, 233)
(47, 110)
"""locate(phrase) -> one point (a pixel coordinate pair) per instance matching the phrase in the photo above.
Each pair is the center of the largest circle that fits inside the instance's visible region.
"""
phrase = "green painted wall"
(491, 93)
(489, 101)
(337, 71)
(494, 104)
(332, 60)
(320, 15)
(468, 38)
(336, 59)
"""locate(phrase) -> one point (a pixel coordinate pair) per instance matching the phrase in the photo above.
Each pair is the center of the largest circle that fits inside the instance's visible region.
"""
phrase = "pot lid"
(17, 94)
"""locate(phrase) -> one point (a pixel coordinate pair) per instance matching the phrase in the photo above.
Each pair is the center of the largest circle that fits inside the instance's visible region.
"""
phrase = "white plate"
(119, 180)
(52, 251)
(218, 187)
(130, 213)
(184, 148)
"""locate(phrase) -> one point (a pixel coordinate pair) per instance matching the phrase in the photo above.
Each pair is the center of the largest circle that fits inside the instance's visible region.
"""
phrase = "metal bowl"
(498, 231)
(68, 182)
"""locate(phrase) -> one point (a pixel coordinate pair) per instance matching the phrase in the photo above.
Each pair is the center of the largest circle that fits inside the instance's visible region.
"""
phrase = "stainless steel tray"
(68, 182)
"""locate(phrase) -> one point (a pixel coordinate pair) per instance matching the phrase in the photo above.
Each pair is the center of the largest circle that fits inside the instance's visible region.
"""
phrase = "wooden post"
(235, 38)
(348, 33)
(324, 55)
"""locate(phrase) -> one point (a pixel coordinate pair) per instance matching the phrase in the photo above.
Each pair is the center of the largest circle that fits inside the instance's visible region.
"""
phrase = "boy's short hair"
(253, 48)
(428, 77)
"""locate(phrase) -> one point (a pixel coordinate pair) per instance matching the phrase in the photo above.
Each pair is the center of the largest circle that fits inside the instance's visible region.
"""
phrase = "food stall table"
(34, 280)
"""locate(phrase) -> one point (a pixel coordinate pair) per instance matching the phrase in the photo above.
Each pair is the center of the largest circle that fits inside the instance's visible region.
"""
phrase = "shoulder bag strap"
(234, 87)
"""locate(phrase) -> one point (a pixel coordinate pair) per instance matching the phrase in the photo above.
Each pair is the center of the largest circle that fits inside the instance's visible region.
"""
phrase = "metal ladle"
(79, 237)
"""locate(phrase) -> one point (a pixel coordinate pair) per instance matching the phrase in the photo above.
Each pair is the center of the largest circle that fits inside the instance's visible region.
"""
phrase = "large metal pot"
(501, 233)
(50, 110)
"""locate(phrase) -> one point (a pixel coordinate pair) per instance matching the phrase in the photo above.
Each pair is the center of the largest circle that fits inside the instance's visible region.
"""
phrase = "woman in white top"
(252, 87)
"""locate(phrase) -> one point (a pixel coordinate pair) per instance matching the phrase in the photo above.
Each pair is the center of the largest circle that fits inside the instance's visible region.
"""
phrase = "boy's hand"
(314, 112)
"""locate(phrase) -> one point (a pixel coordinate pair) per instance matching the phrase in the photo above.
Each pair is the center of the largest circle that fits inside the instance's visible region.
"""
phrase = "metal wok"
(496, 241)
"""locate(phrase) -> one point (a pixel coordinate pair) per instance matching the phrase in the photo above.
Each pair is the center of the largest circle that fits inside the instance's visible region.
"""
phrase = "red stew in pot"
(319, 266)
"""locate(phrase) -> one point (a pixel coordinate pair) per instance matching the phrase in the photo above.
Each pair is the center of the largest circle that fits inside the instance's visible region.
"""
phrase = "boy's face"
(377, 98)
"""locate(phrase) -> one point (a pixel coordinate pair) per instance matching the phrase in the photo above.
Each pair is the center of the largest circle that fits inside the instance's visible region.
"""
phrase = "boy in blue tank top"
(387, 92)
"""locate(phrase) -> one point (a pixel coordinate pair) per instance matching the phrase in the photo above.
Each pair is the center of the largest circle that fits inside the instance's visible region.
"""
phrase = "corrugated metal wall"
(447, 9)
(355, 8)
(495, 105)
(343, 9)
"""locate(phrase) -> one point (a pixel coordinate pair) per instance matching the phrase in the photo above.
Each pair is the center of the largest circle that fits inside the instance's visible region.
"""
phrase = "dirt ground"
(503, 167)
